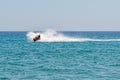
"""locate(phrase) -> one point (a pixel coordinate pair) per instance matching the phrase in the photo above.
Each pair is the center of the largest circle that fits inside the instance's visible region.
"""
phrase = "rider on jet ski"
(36, 38)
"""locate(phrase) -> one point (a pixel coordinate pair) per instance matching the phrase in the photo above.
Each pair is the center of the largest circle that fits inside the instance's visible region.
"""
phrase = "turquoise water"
(95, 59)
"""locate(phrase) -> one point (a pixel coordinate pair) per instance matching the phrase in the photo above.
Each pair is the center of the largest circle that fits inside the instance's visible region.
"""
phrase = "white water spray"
(53, 36)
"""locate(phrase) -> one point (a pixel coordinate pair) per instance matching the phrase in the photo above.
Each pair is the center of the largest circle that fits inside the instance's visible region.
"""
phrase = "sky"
(60, 15)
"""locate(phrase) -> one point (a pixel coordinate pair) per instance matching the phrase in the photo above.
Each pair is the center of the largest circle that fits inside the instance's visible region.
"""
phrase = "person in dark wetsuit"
(36, 38)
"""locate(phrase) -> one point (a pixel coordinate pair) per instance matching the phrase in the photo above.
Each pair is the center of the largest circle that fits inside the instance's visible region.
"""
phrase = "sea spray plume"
(53, 36)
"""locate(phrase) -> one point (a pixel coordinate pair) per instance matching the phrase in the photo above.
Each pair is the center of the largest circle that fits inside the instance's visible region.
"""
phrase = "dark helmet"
(38, 35)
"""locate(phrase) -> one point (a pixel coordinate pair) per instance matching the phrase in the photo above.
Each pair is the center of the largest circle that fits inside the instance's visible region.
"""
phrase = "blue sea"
(71, 55)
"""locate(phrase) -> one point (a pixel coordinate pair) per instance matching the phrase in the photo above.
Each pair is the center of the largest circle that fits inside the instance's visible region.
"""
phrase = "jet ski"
(36, 38)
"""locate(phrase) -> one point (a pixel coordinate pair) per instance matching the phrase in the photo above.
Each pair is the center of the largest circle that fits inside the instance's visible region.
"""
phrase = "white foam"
(53, 36)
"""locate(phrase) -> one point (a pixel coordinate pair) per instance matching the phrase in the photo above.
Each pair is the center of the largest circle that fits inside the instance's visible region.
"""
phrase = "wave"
(53, 36)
